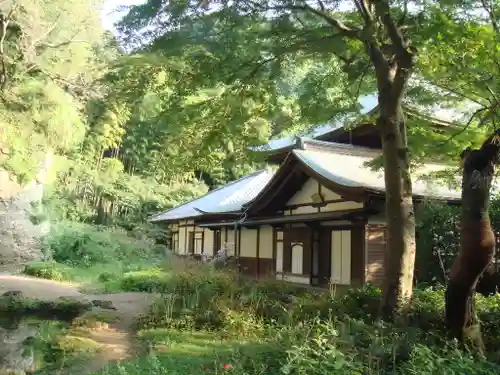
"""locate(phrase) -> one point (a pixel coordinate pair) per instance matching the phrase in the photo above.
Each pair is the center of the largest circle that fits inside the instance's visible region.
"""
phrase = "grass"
(187, 352)
(206, 319)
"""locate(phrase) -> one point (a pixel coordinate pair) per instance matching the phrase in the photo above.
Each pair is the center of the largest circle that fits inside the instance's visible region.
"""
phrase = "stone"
(20, 237)
(14, 356)
(78, 301)
(108, 305)
(13, 293)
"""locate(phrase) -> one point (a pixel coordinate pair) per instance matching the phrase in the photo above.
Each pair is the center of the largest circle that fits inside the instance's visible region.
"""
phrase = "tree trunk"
(477, 240)
(399, 257)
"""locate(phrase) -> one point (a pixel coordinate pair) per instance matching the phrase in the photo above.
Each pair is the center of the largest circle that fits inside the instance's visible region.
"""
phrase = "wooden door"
(325, 240)
(297, 251)
(217, 240)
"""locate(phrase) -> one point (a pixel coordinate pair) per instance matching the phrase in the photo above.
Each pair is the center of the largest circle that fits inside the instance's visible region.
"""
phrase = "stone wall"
(20, 238)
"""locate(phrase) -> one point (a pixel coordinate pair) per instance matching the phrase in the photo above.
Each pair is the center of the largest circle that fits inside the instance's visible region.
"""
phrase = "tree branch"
(466, 126)
(405, 13)
(491, 14)
(345, 30)
(4, 23)
(397, 38)
(279, 54)
(61, 44)
(362, 78)
(458, 93)
(364, 11)
(321, 6)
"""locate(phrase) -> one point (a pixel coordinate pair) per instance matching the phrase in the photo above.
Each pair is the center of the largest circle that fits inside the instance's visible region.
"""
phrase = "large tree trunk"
(393, 65)
(399, 257)
(477, 240)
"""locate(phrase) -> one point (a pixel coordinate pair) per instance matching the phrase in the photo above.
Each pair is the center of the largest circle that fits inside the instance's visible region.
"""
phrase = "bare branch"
(400, 81)
(379, 61)
(299, 20)
(492, 93)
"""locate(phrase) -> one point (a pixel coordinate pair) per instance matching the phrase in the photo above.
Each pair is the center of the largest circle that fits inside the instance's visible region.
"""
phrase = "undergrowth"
(94, 255)
(212, 322)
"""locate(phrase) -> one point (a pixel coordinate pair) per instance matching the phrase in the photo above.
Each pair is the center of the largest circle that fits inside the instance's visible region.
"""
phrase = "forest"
(176, 103)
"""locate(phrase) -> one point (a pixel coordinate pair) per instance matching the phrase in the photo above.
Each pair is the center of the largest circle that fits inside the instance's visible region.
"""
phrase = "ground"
(116, 339)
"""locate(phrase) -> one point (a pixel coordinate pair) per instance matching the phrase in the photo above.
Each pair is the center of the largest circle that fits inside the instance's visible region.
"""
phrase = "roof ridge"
(302, 144)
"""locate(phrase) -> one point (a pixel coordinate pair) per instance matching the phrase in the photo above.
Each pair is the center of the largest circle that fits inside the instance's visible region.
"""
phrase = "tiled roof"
(433, 113)
(226, 199)
(231, 198)
(346, 166)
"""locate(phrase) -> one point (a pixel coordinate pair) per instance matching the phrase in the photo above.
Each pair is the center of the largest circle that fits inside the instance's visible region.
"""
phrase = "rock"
(108, 305)
(74, 303)
(13, 293)
(15, 356)
(20, 237)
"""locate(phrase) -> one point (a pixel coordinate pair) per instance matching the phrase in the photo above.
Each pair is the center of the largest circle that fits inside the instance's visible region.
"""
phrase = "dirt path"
(116, 340)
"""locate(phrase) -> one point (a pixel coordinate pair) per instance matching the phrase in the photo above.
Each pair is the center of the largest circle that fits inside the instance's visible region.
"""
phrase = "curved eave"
(287, 171)
(281, 175)
(294, 163)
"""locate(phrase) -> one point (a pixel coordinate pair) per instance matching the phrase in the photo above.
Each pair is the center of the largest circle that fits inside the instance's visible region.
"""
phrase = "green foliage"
(461, 54)
(437, 239)
(49, 62)
(219, 320)
(111, 196)
(61, 308)
(48, 270)
(82, 245)
(152, 281)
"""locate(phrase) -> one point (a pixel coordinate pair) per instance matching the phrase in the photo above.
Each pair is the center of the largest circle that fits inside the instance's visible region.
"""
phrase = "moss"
(62, 308)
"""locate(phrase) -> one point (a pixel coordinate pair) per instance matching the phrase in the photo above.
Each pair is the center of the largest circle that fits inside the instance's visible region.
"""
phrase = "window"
(198, 243)
(297, 257)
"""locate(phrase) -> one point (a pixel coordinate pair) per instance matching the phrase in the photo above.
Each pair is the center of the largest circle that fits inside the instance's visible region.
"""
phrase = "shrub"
(151, 280)
(81, 245)
(437, 239)
(105, 277)
(48, 270)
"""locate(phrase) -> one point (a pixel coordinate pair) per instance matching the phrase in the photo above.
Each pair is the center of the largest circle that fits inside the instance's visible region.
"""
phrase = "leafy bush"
(47, 270)
(437, 239)
(81, 245)
(151, 280)
(315, 333)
